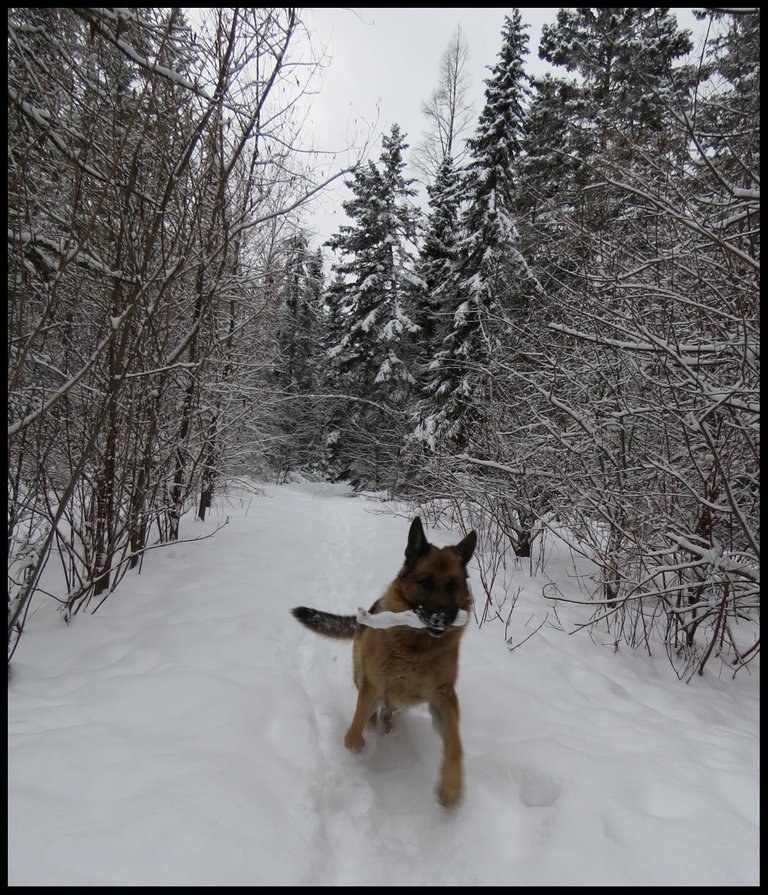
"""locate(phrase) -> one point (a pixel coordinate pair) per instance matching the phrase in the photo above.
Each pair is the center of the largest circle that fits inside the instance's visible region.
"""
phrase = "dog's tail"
(341, 626)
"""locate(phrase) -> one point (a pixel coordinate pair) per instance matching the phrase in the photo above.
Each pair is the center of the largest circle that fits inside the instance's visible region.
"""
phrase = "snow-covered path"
(190, 733)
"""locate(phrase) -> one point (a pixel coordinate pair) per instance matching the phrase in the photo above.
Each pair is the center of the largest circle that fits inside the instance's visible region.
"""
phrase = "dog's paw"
(354, 742)
(448, 796)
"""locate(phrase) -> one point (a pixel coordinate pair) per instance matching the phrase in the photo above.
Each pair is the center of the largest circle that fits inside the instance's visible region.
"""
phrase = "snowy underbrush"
(694, 608)
(692, 604)
(55, 548)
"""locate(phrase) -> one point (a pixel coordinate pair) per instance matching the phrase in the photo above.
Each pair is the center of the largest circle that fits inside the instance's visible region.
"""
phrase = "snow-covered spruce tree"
(624, 56)
(614, 113)
(299, 353)
(436, 300)
(373, 288)
(492, 279)
(734, 66)
(469, 416)
(329, 460)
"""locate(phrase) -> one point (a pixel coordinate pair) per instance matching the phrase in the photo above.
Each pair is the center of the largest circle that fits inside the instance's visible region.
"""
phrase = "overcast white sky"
(383, 64)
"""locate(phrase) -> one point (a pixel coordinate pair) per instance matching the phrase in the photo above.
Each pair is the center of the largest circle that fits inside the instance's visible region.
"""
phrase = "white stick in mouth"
(408, 617)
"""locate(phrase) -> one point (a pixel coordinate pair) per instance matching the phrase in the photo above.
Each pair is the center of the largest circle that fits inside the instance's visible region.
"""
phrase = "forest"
(566, 338)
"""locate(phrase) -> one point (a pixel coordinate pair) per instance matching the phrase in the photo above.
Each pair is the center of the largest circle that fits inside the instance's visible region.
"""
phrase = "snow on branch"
(490, 464)
(717, 558)
(67, 252)
(91, 14)
(16, 427)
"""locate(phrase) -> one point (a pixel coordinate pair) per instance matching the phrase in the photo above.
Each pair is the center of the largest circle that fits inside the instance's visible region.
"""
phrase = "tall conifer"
(374, 286)
(491, 277)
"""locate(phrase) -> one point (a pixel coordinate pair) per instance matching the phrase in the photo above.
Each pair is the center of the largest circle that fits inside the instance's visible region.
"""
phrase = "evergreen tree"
(663, 251)
(299, 352)
(374, 287)
(736, 64)
(490, 260)
(624, 56)
(436, 303)
(330, 381)
(624, 59)
(437, 260)
(491, 276)
(378, 267)
(614, 111)
(551, 173)
(300, 318)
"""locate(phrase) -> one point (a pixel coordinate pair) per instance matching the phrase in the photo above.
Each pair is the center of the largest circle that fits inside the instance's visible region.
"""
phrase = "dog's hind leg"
(382, 714)
(444, 708)
(367, 701)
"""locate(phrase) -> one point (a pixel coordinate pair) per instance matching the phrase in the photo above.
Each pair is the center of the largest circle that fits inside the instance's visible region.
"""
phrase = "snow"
(190, 732)
(407, 618)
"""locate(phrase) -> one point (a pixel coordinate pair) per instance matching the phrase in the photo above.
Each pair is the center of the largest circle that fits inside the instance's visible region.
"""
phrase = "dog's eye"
(426, 582)
(451, 586)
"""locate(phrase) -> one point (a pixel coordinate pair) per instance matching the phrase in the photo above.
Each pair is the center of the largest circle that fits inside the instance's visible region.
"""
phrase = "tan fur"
(401, 666)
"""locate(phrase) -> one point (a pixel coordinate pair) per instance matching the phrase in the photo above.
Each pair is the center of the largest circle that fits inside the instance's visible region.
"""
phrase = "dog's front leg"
(444, 708)
(366, 704)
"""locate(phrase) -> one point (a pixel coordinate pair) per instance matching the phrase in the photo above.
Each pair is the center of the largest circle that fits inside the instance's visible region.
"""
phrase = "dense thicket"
(150, 270)
(647, 397)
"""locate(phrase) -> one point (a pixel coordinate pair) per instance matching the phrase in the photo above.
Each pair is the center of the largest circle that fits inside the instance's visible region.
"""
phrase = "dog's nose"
(441, 619)
(437, 620)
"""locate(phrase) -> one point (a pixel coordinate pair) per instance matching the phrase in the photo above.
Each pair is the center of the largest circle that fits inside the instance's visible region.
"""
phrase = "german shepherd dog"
(400, 666)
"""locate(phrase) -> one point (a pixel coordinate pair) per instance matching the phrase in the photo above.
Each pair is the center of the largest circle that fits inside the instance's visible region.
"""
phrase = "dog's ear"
(466, 547)
(417, 543)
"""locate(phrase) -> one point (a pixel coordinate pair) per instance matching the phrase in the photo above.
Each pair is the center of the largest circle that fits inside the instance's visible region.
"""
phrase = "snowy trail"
(190, 733)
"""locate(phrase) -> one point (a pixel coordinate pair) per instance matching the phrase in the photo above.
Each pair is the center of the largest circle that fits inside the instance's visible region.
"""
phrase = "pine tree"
(594, 237)
(736, 50)
(373, 356)
(651, 370)
(624, 56)
(625, 59)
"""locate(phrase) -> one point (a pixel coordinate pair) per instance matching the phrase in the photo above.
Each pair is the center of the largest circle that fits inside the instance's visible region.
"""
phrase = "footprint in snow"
(537, 788)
